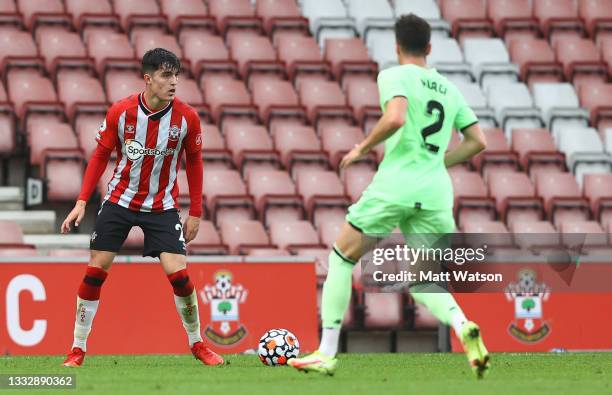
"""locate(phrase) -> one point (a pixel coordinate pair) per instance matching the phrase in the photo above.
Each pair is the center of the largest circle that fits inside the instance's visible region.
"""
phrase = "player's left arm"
(195, 171)
(393, 119)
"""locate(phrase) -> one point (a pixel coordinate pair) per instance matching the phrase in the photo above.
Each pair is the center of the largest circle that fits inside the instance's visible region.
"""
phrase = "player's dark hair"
(159, 59)
(412, 34)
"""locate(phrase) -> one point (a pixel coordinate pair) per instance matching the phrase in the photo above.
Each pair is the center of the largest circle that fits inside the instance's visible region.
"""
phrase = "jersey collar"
(154, 115)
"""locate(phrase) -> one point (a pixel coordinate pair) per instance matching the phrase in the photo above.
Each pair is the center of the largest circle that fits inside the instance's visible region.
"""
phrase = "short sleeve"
(465, 116)
(390, 85)
(107, 135)
(193, 139)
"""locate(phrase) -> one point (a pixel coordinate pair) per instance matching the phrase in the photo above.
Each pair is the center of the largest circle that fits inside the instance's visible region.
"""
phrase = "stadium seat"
(536, 60)
(558, 17)
(446, 57)
(32, 93)
(323, 99)
(348, 57)
(598, 189)
(268, 252)
(139, 14)
(214, 151)
(250, 146)
(10, 233)
(596, 15)
(605, 46)
(277, 99)
(328, 19)
(497, 155)
(62, 49)
(280, 16)
(227, 97)
(17, 48)
(188, 91)
(329, 231)
(81, 93)
(515, 197)
(362, 96)
(490, 61)
(581, 60)
(382, 310)
(583, 151)
(86, 127)
(110, 50)
(36, 13)
(320, 189)
(477, 101)
(537, 150)
(234, 15)
(88, 15)
(207, 54)
(242, 236)
(472, 201)
(512, 17)
(275, 195)
(299, 147)
(370, 15)
(294, 234)
(581, 235)
(596, 97)
(187, 15)
(8, 136)
(47, 135)
(147, 40)
(383, 49)
(120, 85)
(356, 180)
(207, 241)
(467, 18)
(562, 197)
(559, 105)
(514, 107)
(337, 141)
(492, 233)
(255, 55)
(536, 236)
(426, 9)
(224, 189)
(105, 179)
(302, 56)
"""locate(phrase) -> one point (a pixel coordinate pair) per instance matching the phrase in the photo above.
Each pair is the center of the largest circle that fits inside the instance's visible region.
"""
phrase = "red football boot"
(206, 355)
(75, 358)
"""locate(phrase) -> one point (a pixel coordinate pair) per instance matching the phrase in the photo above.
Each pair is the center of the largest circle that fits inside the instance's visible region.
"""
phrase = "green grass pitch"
(381, 374)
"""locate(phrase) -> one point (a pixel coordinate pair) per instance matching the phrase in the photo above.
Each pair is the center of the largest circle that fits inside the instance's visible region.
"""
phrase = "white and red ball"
(277, 346)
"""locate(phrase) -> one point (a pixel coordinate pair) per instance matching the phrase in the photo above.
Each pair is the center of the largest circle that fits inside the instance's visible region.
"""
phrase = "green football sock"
(336, 290)
(439, 302)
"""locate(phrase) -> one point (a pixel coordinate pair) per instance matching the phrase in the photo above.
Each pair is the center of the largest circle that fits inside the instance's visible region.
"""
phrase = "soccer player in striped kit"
(150, 130)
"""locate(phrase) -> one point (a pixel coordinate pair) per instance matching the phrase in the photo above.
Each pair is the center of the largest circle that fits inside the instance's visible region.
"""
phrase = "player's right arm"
(474, 141)
(107, 138)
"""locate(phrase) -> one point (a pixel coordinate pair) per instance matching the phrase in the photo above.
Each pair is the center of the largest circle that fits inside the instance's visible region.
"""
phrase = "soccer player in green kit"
(411, 189)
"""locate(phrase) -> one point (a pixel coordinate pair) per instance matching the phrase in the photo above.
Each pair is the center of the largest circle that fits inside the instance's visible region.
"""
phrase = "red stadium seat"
(31, 93)
(276, 99)
(466, 17)
(255, 56)
(320, 189)
(295, 234)
(63, 172)
(207, 54)
(10, 233)
(139, 13)
(187, 14)
(513, 16)
(47, 135)
(562, 197)
(224, 189)
(323, 99)
(234, 14)
(227, 96)
(363, 97)
(581, 59)
(605, 44)
(558, 17)
(536, 59)
(36, 13)
(337, 141)
(302, 55)
(105, 179)
(597, 15)
(8, 138)
(281, 15)
(243, 236)
(349, 56)
(207, 241)
(17, 48)
(472, 201)
(120, 85)
(110, 50)
(492, 233)
(60, 49)
(514, 196)
(267, 252)
(356, 180)
(597, 98)
(598, 189)
(250, 146)
(152, 39)
(329, 231)
(536, 235)
(275, 196)
(91, 13)
(383, 310)
(497, 155)
(299, 147)
(134, 242)
(81, 93)
(214, 151)
(537, 150)
(583, 234)
(87, 127)
(189, 92)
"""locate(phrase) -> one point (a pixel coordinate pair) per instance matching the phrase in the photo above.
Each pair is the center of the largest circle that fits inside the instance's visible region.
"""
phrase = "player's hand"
(192, 225)
(76, 215)
(354, 155)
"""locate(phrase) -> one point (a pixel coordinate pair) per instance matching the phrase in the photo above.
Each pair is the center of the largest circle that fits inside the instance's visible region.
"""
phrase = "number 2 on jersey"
(434, 127)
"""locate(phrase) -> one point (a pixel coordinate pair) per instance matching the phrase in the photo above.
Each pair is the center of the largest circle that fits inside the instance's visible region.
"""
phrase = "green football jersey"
(412, 172)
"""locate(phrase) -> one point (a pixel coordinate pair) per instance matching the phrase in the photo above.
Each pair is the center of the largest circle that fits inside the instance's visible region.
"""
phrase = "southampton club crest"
(224, 298)
(174, 132)
(528, 296)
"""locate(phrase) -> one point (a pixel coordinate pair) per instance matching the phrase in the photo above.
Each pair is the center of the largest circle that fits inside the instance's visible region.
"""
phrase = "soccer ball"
(277, 346)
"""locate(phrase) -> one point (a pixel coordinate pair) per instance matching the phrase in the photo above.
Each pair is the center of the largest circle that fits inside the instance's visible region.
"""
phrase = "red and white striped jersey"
(149, 147)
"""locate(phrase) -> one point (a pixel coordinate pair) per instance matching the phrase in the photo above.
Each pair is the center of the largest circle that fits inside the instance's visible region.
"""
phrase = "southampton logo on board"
(528, 296)
(224, 298)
